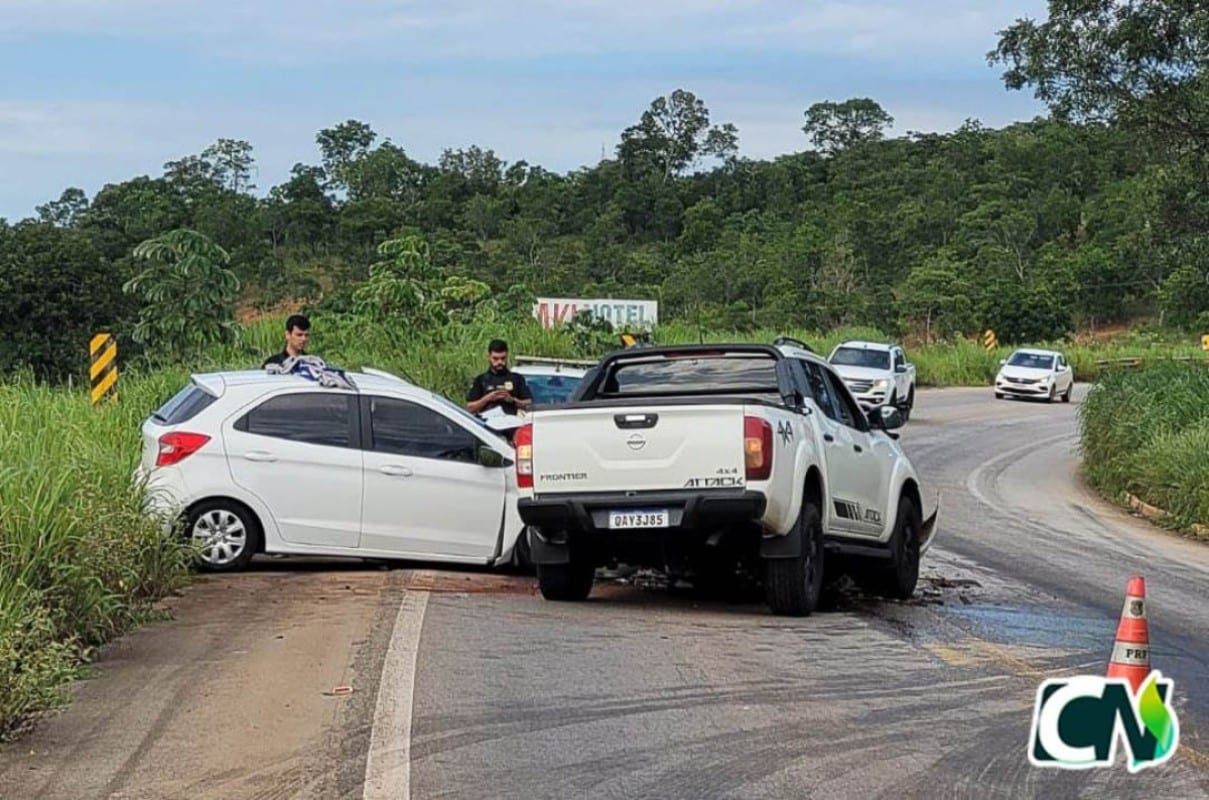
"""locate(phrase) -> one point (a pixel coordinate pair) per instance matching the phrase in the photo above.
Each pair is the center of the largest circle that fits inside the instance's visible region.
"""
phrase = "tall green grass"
(79, 562)
(1145, 431)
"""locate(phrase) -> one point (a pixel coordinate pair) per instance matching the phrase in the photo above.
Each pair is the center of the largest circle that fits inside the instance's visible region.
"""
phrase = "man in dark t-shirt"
(498, 386)
(297, 333)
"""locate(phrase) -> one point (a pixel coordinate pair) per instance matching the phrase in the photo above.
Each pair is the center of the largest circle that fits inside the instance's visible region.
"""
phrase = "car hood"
(860, 373)
(1023, 372)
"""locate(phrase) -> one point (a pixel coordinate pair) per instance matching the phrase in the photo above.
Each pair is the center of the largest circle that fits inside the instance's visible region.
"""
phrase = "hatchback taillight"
(523, 440)
(177, 446)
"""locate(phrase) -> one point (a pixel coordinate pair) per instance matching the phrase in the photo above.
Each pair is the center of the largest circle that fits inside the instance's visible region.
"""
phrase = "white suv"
(277, 463)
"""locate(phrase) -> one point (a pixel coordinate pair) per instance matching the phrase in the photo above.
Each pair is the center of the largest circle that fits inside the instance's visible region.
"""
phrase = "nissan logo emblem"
(636, 442)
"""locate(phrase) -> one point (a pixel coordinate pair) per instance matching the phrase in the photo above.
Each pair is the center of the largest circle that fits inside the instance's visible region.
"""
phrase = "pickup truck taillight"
(757, 448)
(523, 440)
(175, 447)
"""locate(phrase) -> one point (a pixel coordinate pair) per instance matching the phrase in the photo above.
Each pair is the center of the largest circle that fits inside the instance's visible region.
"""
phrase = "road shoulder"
(232, 698)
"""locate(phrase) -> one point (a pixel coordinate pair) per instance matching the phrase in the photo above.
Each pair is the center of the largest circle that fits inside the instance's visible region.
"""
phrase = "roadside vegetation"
(1145, 432)
(1092, 217)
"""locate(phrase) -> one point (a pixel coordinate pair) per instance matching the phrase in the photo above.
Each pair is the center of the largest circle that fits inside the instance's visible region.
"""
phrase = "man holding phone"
(498, 386)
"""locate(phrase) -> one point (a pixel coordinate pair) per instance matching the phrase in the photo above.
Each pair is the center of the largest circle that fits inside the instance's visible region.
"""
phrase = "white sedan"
(374, 467)
(1035, 373)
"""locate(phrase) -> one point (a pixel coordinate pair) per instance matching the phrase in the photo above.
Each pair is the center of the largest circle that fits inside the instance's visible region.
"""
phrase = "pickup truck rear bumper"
(685, 510)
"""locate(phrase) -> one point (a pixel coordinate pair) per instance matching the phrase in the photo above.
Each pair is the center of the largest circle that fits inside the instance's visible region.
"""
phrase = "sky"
(101, 91)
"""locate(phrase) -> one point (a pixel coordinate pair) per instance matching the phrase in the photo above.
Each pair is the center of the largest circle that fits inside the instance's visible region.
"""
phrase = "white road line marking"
(388, 765)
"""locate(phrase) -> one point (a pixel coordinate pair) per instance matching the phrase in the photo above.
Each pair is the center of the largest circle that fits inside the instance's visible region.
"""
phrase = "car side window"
(819, 389)
(899, 359)
(322, 418)
(850, 413)
(405, 428)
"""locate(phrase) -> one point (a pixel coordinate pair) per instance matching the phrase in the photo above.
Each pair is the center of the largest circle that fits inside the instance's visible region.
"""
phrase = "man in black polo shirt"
(498, 386)
(297, 333)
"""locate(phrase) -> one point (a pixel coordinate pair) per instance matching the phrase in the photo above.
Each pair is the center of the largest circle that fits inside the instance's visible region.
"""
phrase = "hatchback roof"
(256, 377)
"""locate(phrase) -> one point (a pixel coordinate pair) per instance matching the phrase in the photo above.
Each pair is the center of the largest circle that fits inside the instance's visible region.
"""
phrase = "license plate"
(638, 518)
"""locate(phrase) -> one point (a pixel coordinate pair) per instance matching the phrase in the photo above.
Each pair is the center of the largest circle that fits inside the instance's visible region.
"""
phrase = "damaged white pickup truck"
(721, 454)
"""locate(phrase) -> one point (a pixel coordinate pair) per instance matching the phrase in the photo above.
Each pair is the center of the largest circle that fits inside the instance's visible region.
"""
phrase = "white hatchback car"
(1035, 373)
(277, 463)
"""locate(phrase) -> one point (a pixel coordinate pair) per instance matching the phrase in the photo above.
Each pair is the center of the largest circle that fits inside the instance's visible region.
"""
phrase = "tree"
(67, 210)
(56, 291)
(1139, 62)
(936, 294)
(188, 294)
(673, 134)
(404, 285)
(341, 146)
(231, 164)
(833, 127)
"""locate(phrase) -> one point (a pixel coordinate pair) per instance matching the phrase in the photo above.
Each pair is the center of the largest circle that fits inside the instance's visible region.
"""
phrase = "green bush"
(1145, 431)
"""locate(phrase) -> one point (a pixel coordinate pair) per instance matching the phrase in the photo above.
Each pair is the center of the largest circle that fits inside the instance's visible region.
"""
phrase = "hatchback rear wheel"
(225, 534)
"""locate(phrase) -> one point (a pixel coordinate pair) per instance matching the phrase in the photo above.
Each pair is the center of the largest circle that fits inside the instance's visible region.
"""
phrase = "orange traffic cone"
(1131, 651)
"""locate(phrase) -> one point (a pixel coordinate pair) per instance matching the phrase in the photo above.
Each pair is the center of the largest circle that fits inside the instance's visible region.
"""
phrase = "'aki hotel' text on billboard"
(553, 311)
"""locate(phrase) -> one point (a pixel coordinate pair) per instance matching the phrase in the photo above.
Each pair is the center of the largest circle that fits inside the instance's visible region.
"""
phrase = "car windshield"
(1031, 361)
(861, 357)
(551, 389)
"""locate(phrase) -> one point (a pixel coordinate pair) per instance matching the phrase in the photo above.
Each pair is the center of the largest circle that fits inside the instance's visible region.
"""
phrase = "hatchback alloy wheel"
(221, 537)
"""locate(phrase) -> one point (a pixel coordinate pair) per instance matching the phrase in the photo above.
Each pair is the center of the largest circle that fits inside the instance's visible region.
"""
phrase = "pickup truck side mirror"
(900, 368)
(887, 418)
(793, 399)
(490, 457)
(1002, 361)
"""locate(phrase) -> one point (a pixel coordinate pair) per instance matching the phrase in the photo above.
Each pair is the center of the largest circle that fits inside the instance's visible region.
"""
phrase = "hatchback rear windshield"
(184, 405)
(695, 374)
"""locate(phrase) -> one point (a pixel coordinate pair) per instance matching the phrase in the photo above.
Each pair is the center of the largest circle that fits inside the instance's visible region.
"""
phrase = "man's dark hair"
(497, 346)
(297, 321)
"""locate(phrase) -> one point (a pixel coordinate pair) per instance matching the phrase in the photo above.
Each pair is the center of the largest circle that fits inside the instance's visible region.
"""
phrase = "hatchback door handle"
(393, 469)
(259, 455)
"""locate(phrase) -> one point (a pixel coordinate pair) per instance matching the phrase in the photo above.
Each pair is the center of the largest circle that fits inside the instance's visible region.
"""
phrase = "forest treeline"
(1095, 213)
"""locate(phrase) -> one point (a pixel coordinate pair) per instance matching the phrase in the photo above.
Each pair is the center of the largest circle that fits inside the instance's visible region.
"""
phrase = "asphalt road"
(465, 684)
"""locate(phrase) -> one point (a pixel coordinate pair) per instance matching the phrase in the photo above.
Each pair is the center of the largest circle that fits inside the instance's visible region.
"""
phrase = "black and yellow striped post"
(104, 369)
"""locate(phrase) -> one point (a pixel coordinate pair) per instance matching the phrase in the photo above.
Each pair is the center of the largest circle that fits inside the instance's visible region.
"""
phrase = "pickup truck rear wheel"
(792, 585)
(567, 582)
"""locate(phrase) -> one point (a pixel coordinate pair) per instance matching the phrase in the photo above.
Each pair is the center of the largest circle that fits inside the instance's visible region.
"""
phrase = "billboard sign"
(633, 314)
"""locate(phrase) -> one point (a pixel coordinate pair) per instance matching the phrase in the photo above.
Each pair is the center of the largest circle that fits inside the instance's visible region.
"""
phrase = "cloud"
(414, 31)
(111, 89)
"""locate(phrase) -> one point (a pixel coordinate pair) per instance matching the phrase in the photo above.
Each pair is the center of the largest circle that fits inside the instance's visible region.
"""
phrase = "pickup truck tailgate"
(639, 448)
